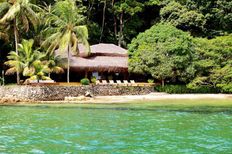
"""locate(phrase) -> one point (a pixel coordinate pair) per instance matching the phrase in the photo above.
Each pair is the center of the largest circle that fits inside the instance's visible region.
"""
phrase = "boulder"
(88, 94)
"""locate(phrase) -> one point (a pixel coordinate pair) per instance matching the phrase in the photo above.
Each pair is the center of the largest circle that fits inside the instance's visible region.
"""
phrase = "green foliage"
(22, 11)
(85, 81)
(182, 89)
(66, 30)
(55, 63)
(38, 71)
(67, 27)
(32, 63)
(164, 52)
(93, 80)
(23, 61)
(129, 7)
(213, 63)
(150, 80)
(123, 10)
(179, 16)
(217, 14)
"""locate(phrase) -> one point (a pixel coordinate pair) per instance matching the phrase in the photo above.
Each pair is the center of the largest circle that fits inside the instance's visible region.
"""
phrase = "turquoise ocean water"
(123, 128)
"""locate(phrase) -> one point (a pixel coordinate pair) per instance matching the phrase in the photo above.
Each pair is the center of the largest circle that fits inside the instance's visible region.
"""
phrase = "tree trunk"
(162, 82)
(120, 38)
(16, 49)
(103, 20)
(90, 7)
(68, 68)
(115, 28)
(115, 22)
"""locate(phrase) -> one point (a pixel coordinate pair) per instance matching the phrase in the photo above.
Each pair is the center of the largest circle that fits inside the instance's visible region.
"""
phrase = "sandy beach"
(125, 99)
(144, 98)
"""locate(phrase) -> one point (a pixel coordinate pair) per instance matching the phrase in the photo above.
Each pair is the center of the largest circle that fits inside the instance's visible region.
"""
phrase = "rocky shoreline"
(58, 93)
(152, 97)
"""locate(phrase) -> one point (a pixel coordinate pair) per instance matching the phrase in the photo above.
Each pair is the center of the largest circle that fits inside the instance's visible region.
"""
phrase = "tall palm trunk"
(103, 20)
(16, 49)
(120, 39)
(115, 28)
(68, 68)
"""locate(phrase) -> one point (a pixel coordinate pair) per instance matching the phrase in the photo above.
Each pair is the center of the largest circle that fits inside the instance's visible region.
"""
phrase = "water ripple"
(125, 129)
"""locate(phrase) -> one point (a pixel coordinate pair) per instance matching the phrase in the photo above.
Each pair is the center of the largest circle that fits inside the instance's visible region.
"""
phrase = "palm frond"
(51, 39)
(64, 41)
(11, 63)
(11, 14)
(52, 47)
(74, 44)
(31, 15)
(4, 36)
(46, 78)
(11, 71)
(81, 32)
(82, 36)
(33, 77)
(25, 22)
(28, 71)
(4, 6)
(57, 70)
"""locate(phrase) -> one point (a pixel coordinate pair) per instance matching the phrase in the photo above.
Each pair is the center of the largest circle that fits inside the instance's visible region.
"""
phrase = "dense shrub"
(85, 81)
(180, 89)
(93, 80)
(150, 80)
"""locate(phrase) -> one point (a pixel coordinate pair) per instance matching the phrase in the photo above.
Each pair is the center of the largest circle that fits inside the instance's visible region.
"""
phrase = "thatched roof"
(103, 58)
(103, 49)
(108, 50)
(100, 64)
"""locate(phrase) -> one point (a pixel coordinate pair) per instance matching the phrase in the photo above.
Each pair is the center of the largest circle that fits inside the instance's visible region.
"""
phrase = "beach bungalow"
(106, 61)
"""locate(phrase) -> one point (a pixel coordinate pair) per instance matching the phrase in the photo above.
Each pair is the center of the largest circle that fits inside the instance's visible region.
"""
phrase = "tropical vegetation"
(66, 29)
(17, 15)
(31, 63)
(177, 42)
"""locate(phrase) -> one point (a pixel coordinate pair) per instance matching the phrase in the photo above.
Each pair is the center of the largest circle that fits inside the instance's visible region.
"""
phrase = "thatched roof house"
(103, 58)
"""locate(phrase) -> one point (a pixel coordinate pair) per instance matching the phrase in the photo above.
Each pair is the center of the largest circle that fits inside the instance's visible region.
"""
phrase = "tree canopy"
(164, 52)
(214, 63)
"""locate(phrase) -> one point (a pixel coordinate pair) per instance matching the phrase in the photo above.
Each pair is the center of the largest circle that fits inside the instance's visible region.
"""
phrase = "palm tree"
(66, 29)
(55, 63)
(15, 13)
(40, 71)
(23, 61)
(32, 63)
